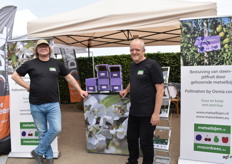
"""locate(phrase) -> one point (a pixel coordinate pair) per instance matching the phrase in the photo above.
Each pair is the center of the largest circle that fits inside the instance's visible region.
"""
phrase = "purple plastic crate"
(102, 71)
(116, 88)
(115, 71)
(102, 74)
(91, 88)
(104, 84)
(91, 84)
(116, 84)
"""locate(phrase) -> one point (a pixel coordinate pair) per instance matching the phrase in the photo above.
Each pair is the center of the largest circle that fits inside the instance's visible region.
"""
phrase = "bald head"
(138, 41)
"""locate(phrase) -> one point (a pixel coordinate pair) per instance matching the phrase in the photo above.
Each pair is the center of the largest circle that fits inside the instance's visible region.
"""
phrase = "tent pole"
(88, 51)
(93, 65)
(89, 45)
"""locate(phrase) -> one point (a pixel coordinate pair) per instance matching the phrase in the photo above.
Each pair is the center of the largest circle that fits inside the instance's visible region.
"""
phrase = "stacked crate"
(103, 77)
(91, 84)
(109, 78)
(115, 72)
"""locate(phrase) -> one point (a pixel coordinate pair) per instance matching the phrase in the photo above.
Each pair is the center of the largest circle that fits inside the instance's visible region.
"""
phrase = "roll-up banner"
(206, 91)
(24, 136)
(7, 15)
(69, 57)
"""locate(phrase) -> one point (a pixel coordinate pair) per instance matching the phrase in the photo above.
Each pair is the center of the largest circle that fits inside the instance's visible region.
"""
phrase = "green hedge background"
(171, 60)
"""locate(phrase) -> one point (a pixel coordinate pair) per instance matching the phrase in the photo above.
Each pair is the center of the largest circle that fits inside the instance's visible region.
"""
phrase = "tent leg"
(92, 60)
(88, 51)
(93, 65)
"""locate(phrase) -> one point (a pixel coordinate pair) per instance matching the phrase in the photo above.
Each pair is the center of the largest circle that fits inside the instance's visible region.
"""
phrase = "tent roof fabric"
(113, 23)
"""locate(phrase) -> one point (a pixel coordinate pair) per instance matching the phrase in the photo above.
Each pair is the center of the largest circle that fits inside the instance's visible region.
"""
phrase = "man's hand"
(155, 119)
(84, 94)
(28, 88)
(123, 93)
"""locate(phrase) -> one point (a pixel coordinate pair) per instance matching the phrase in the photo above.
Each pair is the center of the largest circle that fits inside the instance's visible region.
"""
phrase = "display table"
(106, 117)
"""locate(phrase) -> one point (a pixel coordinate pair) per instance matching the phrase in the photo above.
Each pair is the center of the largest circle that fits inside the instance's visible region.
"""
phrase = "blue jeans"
(47, 118)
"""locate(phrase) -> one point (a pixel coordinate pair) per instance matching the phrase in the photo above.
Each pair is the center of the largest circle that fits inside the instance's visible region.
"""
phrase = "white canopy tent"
(113, 23)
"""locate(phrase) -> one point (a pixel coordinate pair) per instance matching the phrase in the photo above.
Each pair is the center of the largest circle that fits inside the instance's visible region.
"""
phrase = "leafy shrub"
(85, 66)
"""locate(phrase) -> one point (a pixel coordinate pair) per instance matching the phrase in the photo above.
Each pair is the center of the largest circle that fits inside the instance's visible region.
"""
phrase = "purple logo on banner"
(208, 43)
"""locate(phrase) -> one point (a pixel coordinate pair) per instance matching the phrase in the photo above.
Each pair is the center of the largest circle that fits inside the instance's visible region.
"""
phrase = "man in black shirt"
(146, 91)
(44, 97)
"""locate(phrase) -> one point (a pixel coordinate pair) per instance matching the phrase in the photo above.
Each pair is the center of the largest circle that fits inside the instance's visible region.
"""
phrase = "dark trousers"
(140, 131)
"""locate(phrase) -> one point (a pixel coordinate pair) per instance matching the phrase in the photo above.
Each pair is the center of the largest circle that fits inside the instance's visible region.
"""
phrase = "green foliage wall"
(86, 68)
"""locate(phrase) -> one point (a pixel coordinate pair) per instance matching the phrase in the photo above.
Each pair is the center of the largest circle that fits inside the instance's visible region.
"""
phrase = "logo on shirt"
(140, 72)
(52, 69)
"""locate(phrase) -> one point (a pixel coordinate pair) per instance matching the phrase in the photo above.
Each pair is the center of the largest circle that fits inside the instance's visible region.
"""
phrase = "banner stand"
(206, 73)
(7, 15)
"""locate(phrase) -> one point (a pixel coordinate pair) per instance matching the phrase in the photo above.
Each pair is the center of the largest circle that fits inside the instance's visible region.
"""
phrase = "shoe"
(38, 158)
(130, 163)
(48, 161)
